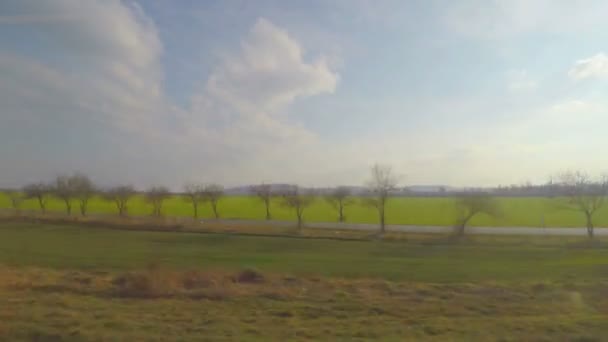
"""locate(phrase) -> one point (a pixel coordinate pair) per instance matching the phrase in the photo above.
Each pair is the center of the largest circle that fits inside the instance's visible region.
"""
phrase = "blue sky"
(236, 92)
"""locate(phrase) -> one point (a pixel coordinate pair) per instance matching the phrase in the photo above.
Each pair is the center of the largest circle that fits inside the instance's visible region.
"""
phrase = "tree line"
(576, 190)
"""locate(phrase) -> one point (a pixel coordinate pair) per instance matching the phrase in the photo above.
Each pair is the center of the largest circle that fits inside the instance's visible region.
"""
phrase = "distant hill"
(355, 189)
(246, 189)
(430, 188)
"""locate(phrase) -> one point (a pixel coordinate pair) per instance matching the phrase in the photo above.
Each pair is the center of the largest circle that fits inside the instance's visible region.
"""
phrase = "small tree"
(297, 200)
(16, 198)
(265, 194)
(195, 195)
(381, 186)
(339, 198)
(470, 204)
(156, 195)
(39, 191)
(584, 194)
(84, 190)
(120, 195)
(213, 193)
(64, 189)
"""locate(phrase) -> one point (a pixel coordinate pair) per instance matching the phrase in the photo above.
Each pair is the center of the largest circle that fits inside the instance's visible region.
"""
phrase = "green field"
(68, 283)
(516, 211)
(92, 248)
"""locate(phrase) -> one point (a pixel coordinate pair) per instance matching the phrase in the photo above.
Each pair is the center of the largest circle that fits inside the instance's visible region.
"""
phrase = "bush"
(249, 276)
(133, 284)
(151, 283)
(156, 282)
(194, 280)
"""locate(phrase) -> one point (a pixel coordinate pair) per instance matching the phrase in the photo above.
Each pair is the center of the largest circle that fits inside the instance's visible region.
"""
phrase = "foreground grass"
(517, 211)
(81, 283)
(43, 304)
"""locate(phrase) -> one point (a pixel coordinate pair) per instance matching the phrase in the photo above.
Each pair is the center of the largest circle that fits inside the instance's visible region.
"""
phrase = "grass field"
(83, 283)
(92, 248)
(516, 211)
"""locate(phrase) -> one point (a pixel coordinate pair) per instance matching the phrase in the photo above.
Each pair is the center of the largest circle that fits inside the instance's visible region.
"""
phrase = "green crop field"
(516, 211)
(78, 283)
(54, 246)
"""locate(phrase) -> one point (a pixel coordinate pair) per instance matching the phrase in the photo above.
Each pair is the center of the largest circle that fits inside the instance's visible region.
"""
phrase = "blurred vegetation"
(442, 211)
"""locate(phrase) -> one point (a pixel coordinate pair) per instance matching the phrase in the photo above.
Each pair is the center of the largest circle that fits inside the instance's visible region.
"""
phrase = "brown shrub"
(195, 280)
(248, 276)
(152, 283)
(133, 284)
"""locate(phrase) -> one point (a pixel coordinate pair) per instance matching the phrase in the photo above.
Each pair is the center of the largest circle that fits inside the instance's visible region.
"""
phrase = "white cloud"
(558, 119)
(102, 58)
(95, 82)
(269, 72)
(95, 100)
(92, 99)
(244, 105)
(592, 67)
(496, 19)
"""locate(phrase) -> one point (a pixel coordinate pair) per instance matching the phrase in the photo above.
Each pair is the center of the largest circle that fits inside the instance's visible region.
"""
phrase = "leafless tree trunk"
(264, 193)
(339, 198)
(382, 184)
(65, 190)
(16, 198)
(194, 194)
(120, 195)
(84, 191)
(213, 193)
(471, 204)
(39, 191)
(584, 194)
(297, 200)
(156, 195)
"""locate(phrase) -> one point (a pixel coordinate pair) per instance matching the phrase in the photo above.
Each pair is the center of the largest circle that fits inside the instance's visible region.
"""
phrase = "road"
(553, 231)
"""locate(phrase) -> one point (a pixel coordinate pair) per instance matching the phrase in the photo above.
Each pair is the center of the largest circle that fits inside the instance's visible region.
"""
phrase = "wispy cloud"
(496, 19)
(592, 67)
(269, 72)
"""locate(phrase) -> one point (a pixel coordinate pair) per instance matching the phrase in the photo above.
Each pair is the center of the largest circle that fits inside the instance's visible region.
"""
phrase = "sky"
(461, 93)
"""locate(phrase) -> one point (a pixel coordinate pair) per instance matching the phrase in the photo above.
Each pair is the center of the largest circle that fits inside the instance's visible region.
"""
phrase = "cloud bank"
(83, 88)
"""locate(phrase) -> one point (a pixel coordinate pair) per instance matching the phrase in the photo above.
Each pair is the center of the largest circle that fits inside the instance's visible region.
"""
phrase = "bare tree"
(84, 190)
(584, 194)
(265, 194)
(156, 195)
(194, 194)
(39, 191)
(471, 204)
(16, 197)
(297, 200)
(381, 186)
(120, 195)
(339, 199)
(213, 193)
(65, 189)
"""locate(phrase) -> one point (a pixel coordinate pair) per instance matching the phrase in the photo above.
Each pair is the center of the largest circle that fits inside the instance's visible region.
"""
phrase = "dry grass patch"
(159, 300)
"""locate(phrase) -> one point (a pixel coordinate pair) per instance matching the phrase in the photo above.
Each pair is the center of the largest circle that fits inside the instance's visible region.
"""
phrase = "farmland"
(516, 211)
(79, 283)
